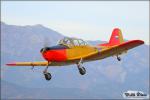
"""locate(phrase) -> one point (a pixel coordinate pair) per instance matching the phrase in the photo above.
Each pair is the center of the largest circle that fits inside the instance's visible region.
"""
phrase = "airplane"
(76, 51)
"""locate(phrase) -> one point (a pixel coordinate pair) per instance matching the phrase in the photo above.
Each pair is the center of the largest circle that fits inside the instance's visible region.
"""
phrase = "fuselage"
(61, 53)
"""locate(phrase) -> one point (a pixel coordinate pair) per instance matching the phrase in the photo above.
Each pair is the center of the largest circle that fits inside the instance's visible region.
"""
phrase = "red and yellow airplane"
(76, 51)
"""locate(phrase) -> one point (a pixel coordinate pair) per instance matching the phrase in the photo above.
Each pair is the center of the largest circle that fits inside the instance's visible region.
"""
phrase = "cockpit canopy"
(67, 41)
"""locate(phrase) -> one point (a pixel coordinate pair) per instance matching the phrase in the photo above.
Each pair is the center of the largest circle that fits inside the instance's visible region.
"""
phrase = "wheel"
(82, 70)
(47, 76)
(118, 58)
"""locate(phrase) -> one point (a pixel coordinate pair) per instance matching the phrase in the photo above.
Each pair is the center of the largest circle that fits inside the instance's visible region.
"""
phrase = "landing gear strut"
(81, 69)
(47, 75)
(118, 58)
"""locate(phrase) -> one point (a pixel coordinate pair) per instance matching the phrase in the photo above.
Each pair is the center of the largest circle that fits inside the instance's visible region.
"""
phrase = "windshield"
(72, 42)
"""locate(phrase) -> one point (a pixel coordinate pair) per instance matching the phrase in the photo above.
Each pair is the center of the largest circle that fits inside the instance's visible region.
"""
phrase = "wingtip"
(11, 64)
(141, 41)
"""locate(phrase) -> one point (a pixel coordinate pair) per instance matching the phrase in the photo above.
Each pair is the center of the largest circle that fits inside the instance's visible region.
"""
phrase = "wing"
(42, 63)
(115, 50)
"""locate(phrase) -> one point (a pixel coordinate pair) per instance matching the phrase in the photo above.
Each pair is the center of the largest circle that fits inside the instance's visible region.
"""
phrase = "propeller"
(46, 44)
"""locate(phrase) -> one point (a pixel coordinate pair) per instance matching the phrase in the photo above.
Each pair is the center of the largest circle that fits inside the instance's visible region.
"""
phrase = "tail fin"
(116, 37)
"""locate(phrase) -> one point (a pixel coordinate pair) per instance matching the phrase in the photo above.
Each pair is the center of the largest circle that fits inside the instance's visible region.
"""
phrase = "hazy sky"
(90, 20)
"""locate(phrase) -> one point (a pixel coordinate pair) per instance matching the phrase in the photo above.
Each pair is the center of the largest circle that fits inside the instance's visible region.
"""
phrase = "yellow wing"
(41, 63)
(115, 50)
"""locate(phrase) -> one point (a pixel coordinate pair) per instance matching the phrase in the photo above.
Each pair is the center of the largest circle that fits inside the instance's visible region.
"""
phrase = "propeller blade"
(46, 42)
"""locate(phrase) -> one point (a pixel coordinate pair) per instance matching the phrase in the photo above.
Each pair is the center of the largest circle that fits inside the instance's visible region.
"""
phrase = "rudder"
(116, 37)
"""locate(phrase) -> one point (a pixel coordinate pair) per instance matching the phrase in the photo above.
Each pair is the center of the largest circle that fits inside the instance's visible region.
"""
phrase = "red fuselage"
(55, 53)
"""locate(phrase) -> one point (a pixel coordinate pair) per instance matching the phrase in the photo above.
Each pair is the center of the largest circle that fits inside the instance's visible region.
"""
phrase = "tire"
(82, 70)
(48, 76)
(119, 59)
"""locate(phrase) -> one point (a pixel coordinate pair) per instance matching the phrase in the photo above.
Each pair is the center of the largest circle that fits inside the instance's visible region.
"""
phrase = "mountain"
(19, 92)
(104, 79)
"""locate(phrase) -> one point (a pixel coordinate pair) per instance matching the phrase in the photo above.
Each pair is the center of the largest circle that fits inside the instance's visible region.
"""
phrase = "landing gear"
(118, 58)
(47, 75)
(81, 69)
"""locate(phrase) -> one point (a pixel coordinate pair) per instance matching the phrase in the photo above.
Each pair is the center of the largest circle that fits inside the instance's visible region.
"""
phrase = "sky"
(89, 20)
